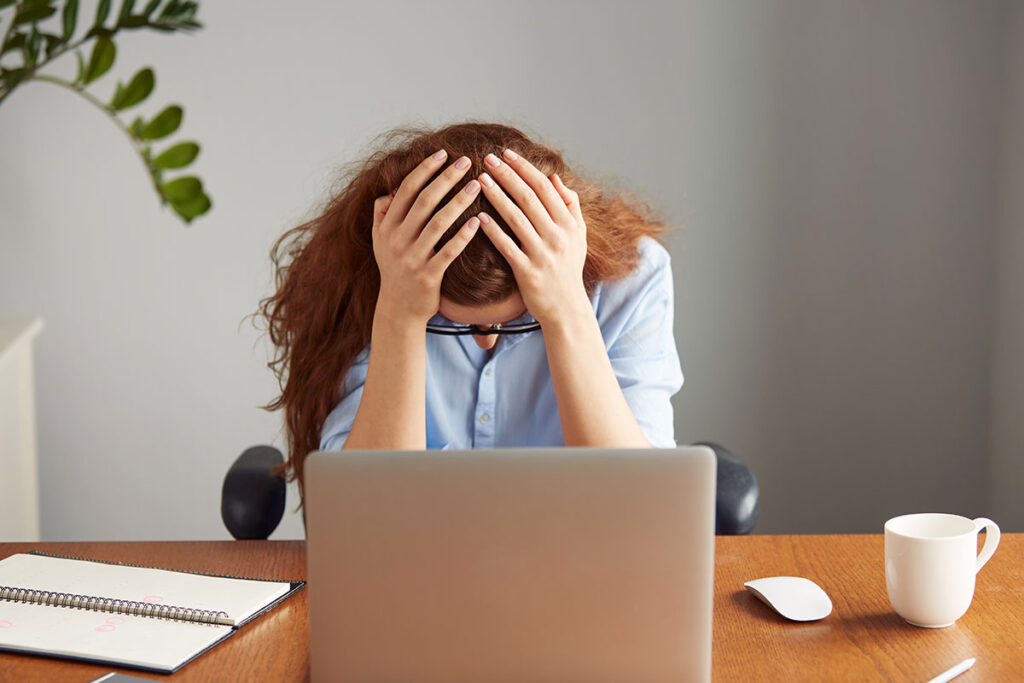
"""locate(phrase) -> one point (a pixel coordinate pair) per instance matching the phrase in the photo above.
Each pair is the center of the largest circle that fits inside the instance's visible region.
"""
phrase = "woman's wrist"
(394, 318)
(572, 314)
(391, 412)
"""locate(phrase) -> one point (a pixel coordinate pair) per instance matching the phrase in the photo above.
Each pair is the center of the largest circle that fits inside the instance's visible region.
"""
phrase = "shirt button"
(485, 418)
(489, 371)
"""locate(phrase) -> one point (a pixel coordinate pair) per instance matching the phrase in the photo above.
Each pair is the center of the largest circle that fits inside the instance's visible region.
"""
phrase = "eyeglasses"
(524, 323)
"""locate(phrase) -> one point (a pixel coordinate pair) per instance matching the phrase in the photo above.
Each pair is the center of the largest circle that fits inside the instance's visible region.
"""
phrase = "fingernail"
(510, 155)
(486, 180)
(492, 161)
(462, 164)
(472, 187)
(473, 223)
(484, 218)
(440, 154)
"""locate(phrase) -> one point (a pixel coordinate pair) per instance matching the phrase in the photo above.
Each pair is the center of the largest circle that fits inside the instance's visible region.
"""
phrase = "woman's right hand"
(405, 231)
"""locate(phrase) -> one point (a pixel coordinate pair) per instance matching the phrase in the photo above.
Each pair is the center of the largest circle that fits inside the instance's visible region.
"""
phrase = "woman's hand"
(404, 239)
(545, 215)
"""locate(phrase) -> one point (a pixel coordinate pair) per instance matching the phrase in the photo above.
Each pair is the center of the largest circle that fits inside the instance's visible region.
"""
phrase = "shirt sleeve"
(641, 345)
(339, 421)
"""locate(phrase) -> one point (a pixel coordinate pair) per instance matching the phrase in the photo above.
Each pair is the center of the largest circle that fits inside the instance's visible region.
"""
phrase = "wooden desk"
(862, 640)
(273, 647)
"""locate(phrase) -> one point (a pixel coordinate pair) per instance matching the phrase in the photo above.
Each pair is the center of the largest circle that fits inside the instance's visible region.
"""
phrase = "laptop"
(522, 565)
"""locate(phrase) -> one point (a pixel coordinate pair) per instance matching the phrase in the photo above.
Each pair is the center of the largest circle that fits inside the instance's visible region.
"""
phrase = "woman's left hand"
(545, 215)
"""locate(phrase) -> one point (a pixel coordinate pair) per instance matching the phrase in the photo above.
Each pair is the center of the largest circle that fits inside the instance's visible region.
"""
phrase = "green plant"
(33, 36)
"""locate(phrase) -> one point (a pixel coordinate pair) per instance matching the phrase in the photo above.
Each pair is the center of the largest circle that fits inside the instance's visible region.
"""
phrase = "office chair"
(253, 496)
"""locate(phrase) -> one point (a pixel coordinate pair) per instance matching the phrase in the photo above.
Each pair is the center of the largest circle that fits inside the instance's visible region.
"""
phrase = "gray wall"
(1008, 368)
(838, 168)
(837, 318)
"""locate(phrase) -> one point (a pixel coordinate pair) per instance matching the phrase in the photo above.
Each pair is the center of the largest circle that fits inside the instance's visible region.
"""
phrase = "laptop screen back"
(511, 565)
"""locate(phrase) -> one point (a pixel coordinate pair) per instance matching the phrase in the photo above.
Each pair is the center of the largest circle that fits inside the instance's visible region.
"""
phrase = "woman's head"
(480, 275)
(327, 278)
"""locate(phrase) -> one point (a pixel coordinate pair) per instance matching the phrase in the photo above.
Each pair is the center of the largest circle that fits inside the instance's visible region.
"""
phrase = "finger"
(523, 195)
(443, 219)
(412, 183)
(428, 199)
(540, 184)
(380, 208)
(572, 199)
(512, 214)
(450, 251)
(505, 245)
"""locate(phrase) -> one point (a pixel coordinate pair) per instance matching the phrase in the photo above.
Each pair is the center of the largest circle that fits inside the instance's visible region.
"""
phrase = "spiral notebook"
(125, 615)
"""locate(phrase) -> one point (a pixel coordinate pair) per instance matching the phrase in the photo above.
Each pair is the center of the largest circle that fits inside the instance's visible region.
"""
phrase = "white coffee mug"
(930, 563)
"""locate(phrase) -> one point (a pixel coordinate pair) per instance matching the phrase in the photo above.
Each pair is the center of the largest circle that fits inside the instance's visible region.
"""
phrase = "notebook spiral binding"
(113, 606)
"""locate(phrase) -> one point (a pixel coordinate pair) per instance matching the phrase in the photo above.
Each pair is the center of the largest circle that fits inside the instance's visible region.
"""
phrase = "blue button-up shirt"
(477, 399)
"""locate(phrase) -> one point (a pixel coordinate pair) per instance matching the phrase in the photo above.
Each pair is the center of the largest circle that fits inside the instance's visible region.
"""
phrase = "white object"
(542, 564)
(103, 621)
(793, 597)
(930, 563)
(953, 672)
(19, 476)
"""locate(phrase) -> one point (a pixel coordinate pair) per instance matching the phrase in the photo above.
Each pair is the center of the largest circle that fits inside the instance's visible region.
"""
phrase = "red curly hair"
(321, 315)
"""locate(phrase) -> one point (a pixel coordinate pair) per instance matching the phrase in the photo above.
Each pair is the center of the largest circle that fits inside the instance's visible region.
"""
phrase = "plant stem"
(32, 72)
(10, 26)
(60, 52)
(109, 112)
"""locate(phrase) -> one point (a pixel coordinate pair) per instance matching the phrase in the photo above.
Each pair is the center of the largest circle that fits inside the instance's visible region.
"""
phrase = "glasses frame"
(498, 328)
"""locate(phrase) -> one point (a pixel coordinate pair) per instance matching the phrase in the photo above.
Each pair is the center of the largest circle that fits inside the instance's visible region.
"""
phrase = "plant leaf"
(177, 16)
(16, 41)
(32, 47)
(163, 124)
(70, 18)
(193, 207)
(11, 78)
(182, 189)
(52, 42)
(102, 10)
(33, 12)
(126, 10)
(150, 8)
(137, 90)
(103, 53)
(81, 66)
(170, 9)
(180, 155)
(6, 3)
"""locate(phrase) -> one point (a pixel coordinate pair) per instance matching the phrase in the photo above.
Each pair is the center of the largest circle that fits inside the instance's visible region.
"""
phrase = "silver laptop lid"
(511, 565)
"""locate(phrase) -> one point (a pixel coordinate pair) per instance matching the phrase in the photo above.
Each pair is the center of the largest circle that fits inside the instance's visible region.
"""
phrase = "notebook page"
(240, 598)
(140, 641)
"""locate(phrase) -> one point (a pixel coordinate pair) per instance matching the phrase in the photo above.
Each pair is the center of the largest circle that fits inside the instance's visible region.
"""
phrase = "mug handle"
(991, 540)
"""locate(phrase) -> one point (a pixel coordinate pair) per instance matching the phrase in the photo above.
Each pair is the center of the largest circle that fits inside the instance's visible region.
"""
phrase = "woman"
(472, 231)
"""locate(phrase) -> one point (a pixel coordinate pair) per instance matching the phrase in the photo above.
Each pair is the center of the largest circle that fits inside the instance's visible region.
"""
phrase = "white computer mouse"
(793, 597)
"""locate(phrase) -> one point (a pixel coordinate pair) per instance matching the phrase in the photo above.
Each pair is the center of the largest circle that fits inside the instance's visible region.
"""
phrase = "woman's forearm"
(590, 402)
(392, 410)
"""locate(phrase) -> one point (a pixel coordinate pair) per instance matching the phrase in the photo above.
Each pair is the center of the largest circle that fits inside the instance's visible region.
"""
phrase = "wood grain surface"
(272, 647)
(862, 640)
